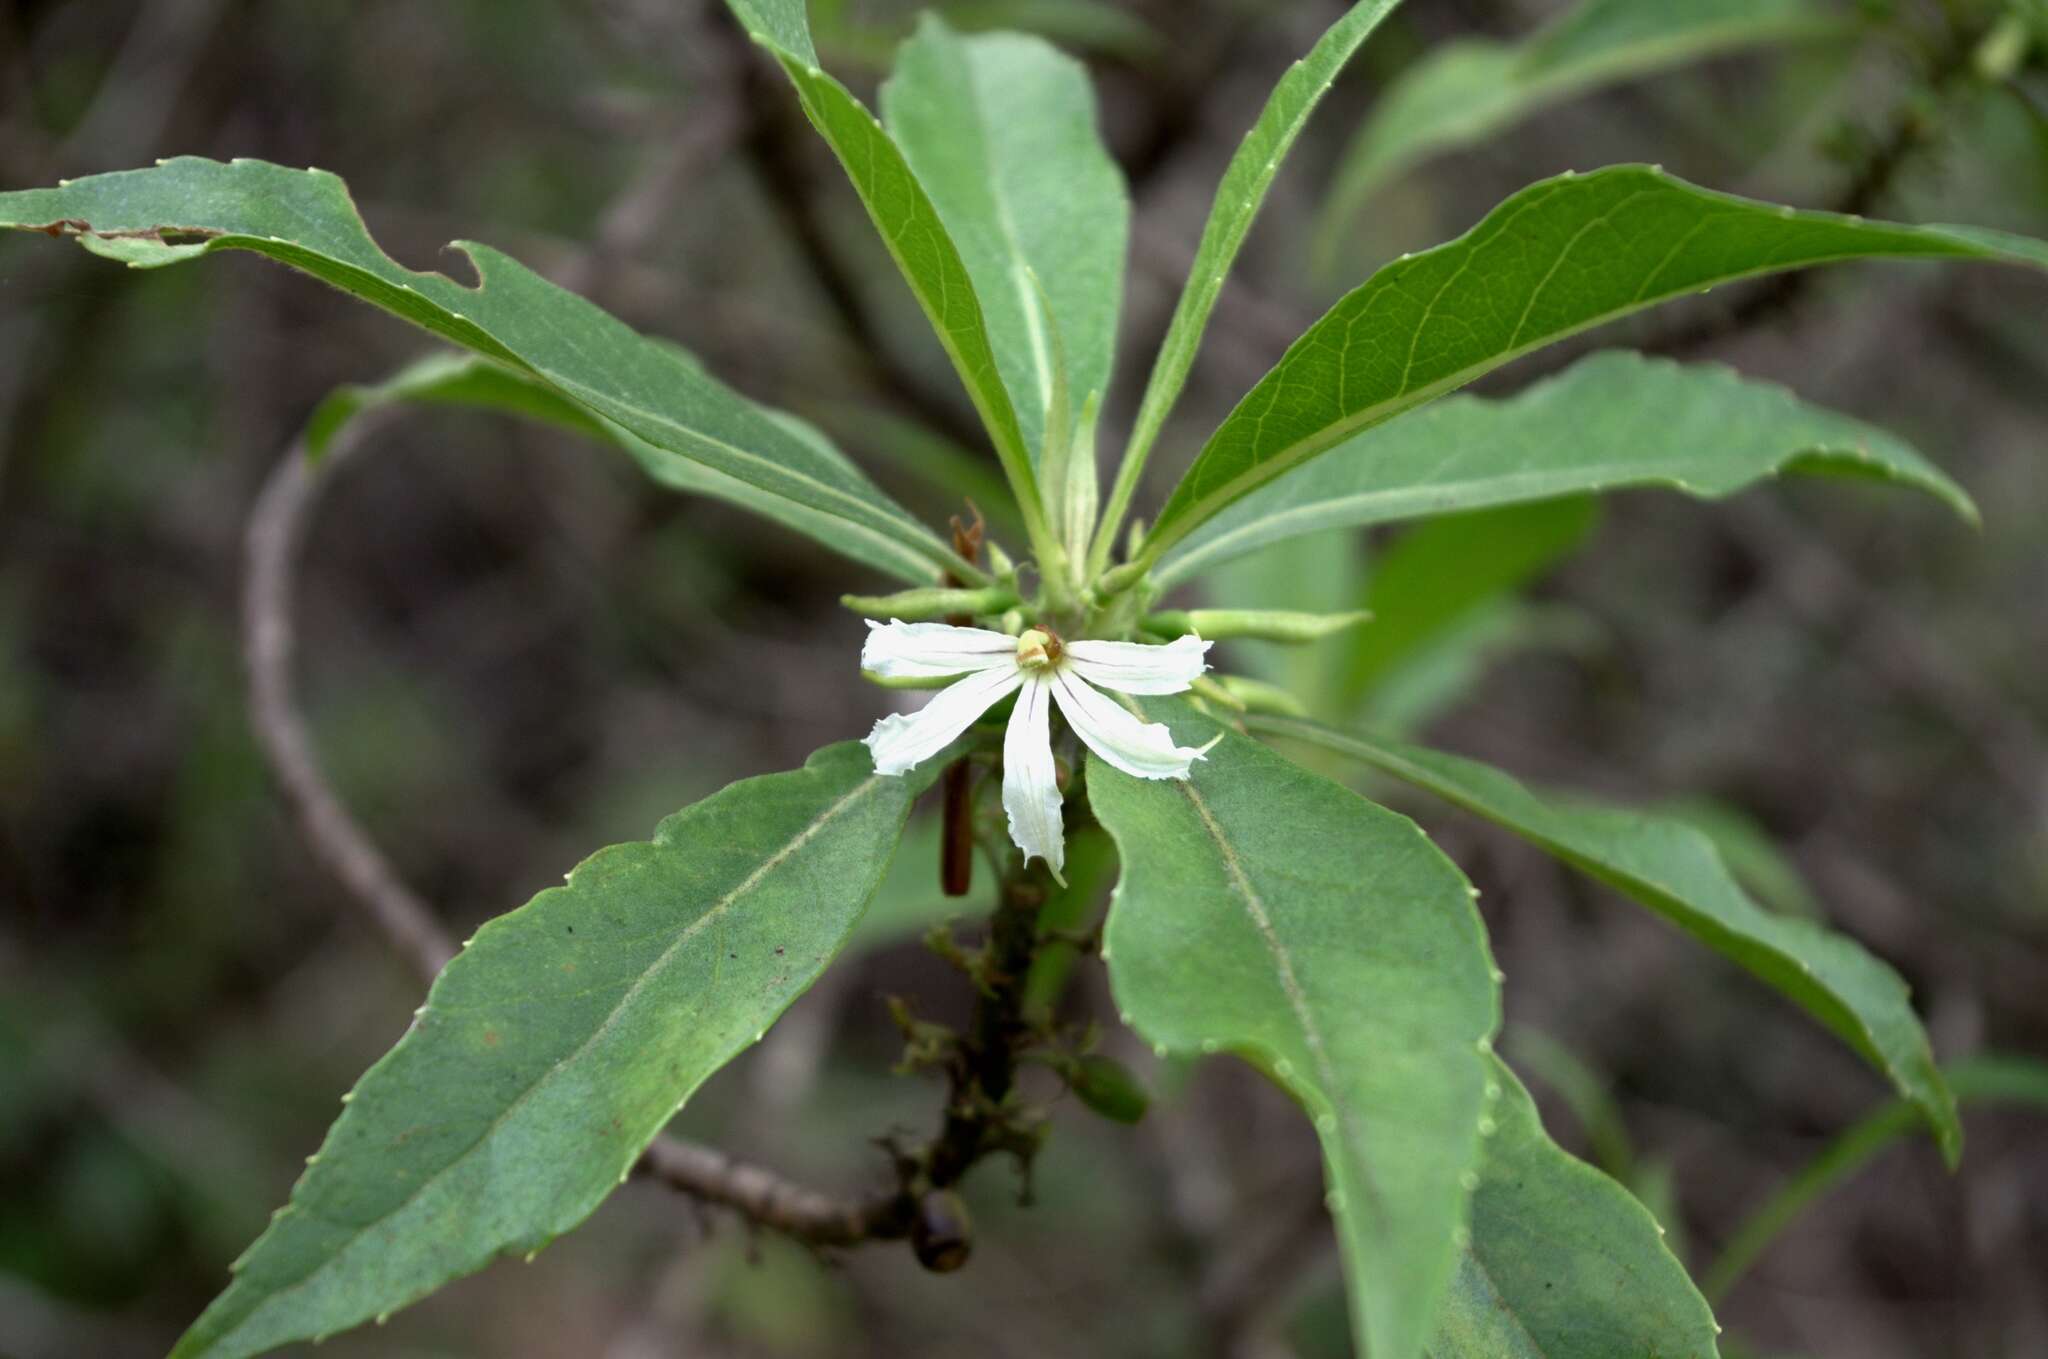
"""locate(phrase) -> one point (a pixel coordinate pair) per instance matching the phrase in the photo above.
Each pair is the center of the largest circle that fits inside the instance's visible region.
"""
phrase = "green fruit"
(1108, 1087)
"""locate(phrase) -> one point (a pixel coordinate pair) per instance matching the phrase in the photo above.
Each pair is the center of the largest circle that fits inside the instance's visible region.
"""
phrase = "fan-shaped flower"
(1043, 672)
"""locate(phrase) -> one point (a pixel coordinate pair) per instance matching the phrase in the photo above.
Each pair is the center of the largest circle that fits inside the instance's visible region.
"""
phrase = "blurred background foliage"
(515, 650)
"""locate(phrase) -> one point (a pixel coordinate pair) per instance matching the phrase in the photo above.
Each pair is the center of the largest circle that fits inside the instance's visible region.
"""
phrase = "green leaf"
(1464, 92)
(466, 380)
(915, 234)
(1001, 131)
(1611, 421)
(1557, 258)
(1674, 870)
(1562, 1260)
(783, 25)
(1238, 199)
(189, 207)
(559, 1041)
(1757, 861)
(909, 900)
(1440, 573)
(1985, 1079)
(1272, 913)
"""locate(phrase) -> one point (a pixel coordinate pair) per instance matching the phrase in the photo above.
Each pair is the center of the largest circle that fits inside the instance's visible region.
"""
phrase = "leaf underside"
(1269, 912)
(558, 1042)
(1614, 420)
(189, 207)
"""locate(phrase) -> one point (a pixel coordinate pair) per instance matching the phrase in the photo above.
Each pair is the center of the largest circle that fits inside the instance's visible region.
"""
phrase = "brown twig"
(771, 1200)
(956, 847)
(277, 528)
(979, 1120)
(984, 1066)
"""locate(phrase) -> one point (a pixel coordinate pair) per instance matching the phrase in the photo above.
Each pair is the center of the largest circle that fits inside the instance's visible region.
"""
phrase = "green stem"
(1978, 1080)
(932, 602)
(1266, 625)
(1053, 566)
(1091, 861)
(1126, 486)
(1130, 573)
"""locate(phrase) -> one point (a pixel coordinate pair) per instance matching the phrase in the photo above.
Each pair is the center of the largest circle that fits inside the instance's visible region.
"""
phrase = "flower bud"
(1266, 625)
(927, 603)
(1108, 1087)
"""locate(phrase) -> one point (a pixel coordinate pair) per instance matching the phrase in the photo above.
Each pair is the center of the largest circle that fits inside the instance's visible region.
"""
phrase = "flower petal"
(1136, 668)
(1142, 749)
(905, 740)
(898, 650)
(1031, 793)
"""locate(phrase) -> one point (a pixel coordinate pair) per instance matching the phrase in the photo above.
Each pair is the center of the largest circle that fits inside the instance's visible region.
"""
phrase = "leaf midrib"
(715, 912)
(1290, 983)
(1005, 218)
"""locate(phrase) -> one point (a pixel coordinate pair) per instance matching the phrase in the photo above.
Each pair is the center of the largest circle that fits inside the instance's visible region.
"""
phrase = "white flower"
(1041, 671)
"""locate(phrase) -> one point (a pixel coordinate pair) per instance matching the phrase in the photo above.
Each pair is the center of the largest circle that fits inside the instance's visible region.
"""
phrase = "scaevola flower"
(1042, 671)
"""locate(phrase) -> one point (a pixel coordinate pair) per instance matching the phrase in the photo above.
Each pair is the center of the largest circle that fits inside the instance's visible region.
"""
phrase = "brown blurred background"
(515, 649)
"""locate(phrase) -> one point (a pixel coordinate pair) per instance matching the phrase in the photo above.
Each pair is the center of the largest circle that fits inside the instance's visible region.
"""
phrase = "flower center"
(1038, 649)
